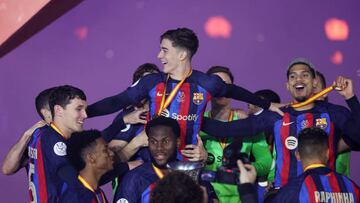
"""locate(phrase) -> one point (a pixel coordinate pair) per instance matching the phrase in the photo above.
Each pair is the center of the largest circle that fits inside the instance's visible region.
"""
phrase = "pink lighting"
(218, 27)
(336, 29)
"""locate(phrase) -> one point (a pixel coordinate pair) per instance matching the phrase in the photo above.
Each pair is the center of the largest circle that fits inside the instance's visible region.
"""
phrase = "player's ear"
(58, 111)
(183, 54)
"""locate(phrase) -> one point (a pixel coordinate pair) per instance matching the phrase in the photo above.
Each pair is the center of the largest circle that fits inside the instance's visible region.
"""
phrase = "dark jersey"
(47, 153)
(83, 195)
(188, 105)
(137, 184)
(335, 120)
(319, 185)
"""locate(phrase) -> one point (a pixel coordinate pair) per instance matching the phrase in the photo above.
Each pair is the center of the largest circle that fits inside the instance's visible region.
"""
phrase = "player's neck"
(65, 132)
(220, 112)
(181, 71)
(312, 163)
(91, 177)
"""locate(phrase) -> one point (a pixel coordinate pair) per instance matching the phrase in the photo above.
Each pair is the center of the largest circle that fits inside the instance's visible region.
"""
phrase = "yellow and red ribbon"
(88, 186)
(314, 97)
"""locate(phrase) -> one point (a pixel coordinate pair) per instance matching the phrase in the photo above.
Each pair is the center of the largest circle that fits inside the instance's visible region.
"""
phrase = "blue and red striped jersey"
(319, 185)
(188, 105)
(46, 152)
(83, 195)
(336, 120)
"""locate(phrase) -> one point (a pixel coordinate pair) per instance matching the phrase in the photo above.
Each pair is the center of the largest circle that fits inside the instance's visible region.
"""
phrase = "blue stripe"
(152, 94)
(279, 147)
(199, 109)
(145, 196)
(349, 187)
(304, 194)
(326, 183)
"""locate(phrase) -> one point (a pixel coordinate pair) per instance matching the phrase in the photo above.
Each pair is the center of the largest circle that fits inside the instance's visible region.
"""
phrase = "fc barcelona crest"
(321, 123)
(198, 98)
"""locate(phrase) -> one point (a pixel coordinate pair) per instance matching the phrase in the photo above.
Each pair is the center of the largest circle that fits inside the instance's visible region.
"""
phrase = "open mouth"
(299, 87)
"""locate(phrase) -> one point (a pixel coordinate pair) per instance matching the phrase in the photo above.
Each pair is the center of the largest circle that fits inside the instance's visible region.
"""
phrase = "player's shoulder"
(334, 108)
(138, 172)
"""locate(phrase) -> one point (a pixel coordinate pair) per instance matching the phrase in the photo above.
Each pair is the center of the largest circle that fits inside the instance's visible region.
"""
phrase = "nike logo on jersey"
(159, 94)
(286, 124)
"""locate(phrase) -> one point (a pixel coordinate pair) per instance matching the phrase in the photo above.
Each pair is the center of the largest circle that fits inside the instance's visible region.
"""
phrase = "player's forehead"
(299, 68)
(77, 102)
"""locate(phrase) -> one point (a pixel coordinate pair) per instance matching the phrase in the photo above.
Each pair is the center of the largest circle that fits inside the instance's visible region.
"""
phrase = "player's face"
(300, 82)
(73, 115)
(169, 56)
(104, 157)
(223, 101)
(162, 144)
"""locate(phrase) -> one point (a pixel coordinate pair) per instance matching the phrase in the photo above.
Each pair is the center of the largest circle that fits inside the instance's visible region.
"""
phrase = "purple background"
(121, 35)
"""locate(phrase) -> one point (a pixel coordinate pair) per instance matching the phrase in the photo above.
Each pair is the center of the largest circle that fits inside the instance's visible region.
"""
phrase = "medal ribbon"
(165, 102)
(158, 171)
(314, 97)
(311, 166)
(56, 129)
(87, 185)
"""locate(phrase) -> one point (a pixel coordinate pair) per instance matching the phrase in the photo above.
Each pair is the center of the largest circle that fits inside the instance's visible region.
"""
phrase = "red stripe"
(159, 90)
(334, 184)
(311, 188)
(41, 174)
(184, 111)
(310, 119)
(332, 148)
(284, 131)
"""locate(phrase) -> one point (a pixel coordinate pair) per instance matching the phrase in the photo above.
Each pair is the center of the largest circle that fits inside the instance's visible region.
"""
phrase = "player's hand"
(136, 116)
(195, 152)
(344, 86)
(31, 130)
(275, 107)
(247, 172)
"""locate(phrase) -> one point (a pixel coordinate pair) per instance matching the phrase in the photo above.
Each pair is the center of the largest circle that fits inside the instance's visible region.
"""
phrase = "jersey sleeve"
(114, 128)
(55, 150)
(133, 95)
(128, 190)
(218, 88)
(248, 127)
(349, 122)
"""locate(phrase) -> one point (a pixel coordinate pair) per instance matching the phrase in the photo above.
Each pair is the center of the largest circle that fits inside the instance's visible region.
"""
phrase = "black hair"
(163, 121)
(184, 38)
(304, 62)
(221, 69)
(313, 142)
(269, 95)
(176, 187)
(62, 96)
(144, 68)
(79, 144)
(42, 100)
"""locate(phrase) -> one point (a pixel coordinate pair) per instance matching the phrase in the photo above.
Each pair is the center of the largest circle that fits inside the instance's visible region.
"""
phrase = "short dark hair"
(145, 68)
(163, 121)
(184, 38)
(62, 96)
(79, 144)
(303, 61)
(313, 141)
(268, 95)
(221, 69)
(42, 100)
(176, 187)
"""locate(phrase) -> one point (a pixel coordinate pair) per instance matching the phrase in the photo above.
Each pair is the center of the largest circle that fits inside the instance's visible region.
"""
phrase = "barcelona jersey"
(187, 106)
(319, 185)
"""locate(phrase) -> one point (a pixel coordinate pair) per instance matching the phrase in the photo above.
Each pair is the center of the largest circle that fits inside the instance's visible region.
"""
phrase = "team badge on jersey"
(60, 149)
(122, 200)
(198, 98)
(304, 124)
(321, 123)
(180, 97)
(291, 142)
(165, 113)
